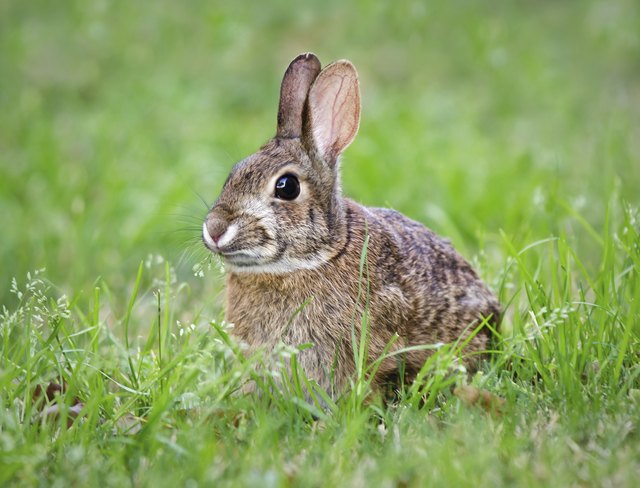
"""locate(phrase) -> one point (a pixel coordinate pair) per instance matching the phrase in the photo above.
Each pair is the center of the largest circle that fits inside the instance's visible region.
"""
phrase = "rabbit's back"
(446, 297)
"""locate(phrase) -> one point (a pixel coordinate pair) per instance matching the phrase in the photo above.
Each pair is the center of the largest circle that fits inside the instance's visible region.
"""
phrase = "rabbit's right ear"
(293, 94)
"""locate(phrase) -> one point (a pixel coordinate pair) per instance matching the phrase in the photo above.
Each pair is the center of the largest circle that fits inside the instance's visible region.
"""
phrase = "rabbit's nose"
(216, 227)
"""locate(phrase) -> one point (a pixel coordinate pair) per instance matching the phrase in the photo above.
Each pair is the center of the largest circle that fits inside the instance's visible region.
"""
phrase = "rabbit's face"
(274, 212)
(280, 209)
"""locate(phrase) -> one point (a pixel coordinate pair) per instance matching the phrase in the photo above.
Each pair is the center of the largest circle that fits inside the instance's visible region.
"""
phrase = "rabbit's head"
(280, 209)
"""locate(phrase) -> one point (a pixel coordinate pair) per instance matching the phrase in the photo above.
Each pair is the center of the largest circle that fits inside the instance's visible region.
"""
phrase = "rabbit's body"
(293, 264)
(406, 273)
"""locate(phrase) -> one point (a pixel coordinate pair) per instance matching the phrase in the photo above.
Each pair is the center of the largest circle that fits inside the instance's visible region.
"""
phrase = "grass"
(511, 128)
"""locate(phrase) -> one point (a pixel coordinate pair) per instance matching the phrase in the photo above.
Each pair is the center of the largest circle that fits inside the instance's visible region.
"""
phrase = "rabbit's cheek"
(249, 242)
(255, 208)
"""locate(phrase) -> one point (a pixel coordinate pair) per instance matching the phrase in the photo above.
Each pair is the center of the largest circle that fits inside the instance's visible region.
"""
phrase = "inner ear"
(333, 110)
(293, 94)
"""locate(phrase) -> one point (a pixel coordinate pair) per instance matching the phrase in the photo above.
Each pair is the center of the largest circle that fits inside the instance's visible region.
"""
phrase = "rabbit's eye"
(287, 187)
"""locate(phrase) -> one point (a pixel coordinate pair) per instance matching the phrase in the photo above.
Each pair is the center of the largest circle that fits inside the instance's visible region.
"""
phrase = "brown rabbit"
(287, 236)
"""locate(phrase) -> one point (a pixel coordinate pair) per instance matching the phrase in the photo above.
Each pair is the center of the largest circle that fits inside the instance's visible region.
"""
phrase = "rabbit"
(292, 247)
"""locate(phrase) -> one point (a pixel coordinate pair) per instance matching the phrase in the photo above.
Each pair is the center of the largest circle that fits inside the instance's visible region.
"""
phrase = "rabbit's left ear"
(333, 110)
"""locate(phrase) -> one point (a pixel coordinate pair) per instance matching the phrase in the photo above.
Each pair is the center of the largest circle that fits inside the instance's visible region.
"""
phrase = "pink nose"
(216, 226)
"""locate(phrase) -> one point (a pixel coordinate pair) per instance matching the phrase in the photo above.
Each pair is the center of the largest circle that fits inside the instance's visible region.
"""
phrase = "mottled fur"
(281, 253)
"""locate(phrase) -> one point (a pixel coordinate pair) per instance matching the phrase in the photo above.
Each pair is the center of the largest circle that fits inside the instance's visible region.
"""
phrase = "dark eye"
(287, 187)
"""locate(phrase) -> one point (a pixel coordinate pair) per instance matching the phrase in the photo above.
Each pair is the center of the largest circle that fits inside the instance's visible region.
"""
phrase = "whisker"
(191, 217)
(206, 204)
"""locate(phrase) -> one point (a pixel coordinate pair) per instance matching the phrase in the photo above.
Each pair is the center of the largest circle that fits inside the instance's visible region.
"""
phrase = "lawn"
(512, 128)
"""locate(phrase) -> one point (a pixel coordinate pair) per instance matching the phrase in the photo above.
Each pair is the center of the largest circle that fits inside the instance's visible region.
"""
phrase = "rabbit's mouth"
(242, 258)
(235, 256)
(238, 256)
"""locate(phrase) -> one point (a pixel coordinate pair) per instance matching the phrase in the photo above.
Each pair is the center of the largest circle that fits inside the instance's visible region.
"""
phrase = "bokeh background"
(119, 120)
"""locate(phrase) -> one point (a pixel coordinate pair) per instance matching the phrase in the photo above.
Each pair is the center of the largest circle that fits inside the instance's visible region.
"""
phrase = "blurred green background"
(118, 118)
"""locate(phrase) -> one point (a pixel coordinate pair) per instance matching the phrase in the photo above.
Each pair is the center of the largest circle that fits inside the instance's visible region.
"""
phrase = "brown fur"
(288, 252)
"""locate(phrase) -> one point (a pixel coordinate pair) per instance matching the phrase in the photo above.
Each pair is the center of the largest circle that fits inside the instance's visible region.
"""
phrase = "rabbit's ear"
(334, 109)
(293, 94)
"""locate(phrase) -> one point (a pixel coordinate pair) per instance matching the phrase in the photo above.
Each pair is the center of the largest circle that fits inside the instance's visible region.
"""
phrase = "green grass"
(513, 128)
